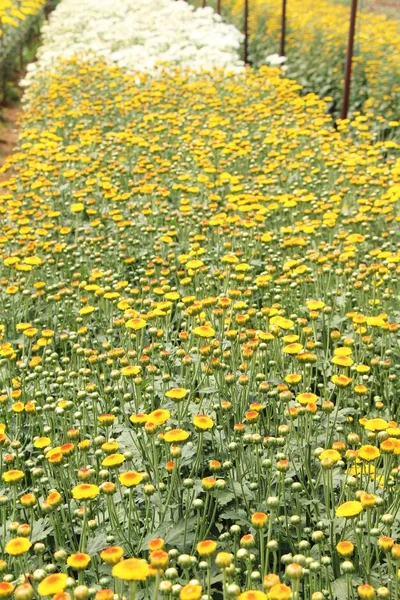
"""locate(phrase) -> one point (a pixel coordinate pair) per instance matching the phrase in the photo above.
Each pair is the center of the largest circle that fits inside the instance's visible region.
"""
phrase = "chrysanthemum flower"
(130, 478)
(18, 546)
(306, 398)
(85, 491)
(156, 544)
(159, 416)
(279, 592)
(53, 584)
(253, 595)
(131, 569)
(130, 371)
(342, 360)
(331, 454)
(259, 519)
(206, 547)
(204, 331)
(136, 324)
(13, 476)
(159, 559)
(203, 422)
(177, 394)
(174, 436)
(113, 460)
(112, 555)
(6, 589)
(190, 592)
(345, 548)
(349, 510)
(369, 453)
(79, 561)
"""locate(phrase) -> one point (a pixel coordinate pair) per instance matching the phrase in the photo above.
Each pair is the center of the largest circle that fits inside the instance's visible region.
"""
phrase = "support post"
(349, 60)
(283, 29)
(246, 32)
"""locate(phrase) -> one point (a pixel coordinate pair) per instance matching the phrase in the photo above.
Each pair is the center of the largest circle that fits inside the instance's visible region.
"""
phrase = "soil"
(8, 133)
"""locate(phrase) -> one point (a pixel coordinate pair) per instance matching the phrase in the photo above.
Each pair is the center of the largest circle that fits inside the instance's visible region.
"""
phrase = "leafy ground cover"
(200, 341)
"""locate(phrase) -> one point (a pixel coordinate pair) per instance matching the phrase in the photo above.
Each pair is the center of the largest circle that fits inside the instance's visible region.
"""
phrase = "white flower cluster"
(139, 35)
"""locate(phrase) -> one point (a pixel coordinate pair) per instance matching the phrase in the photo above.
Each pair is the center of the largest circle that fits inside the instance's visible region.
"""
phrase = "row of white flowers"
(139, 35)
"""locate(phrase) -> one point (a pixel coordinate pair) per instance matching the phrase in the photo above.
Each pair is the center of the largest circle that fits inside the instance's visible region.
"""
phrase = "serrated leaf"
(41, 529)
(96, 543)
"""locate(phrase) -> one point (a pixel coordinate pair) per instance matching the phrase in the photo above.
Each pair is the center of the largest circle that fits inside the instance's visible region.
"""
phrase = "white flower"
(139, 35)
(275, 60)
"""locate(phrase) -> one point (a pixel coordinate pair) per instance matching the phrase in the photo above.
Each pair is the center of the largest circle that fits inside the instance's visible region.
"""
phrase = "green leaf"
(41, 530)
(96, 543)
(339, 586)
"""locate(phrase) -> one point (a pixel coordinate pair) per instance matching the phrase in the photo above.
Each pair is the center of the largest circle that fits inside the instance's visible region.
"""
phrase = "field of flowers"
(199, 321)
(18, 18)
(316, 44)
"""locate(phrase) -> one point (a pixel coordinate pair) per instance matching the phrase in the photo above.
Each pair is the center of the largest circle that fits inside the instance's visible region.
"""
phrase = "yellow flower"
(376, 425)
(190, 592)
(86, 310)
(315, 304)
(130, 371)
(349, 510)
(77, 207)
(204, 331)
(113, 460)
(18, 546)
(331, 454)
(177, 394)
(368, 452)
(341, 380)
(6, 589)
(136, 324)
(342, 360)
(139, 419)
(130, 478)
(345, 548)
(53, 584)
(85, 491)
(259, 519)
(294, 348)
(176, 436)
(307, 398)
(159, 416)
(281, 322)
(112, 555)
(206, 547)
(42, 442)
(203, 422)
(280, 591)
(79, 561)
(13, 476)
(253, 595)
(131, 569)
(194, 264)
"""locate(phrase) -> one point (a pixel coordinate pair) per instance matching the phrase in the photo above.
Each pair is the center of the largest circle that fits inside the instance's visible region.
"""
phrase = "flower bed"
(151, 34)
(199, 349)
(317, 33)
(18, 19)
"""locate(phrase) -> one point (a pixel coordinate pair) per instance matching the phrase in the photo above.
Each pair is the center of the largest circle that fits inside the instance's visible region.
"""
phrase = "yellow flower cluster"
(199, 342)
(13, 13)
(317, 32)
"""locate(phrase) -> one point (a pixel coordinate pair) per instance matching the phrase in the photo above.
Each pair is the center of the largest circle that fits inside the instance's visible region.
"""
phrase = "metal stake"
(246, 32)
(349, 60)
(283, 29)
